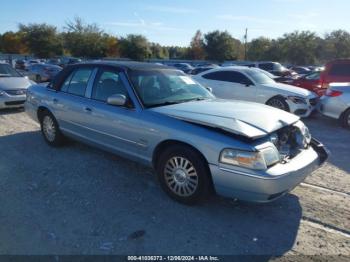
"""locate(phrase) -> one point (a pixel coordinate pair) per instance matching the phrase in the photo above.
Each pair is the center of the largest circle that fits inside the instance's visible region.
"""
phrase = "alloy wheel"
(277, 104)
(181, 176)
(49, 128)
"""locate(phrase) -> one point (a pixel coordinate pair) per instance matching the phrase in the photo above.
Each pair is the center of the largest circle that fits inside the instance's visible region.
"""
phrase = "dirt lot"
(80, 200)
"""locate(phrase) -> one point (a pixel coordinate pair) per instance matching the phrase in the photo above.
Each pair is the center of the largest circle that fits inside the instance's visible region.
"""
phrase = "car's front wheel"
(278, 102)
(50, 129)
(345, 119)
(184, 174)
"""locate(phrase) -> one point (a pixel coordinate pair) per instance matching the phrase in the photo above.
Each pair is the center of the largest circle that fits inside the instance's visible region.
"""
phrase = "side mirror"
(117, 100)
(209, 89)
(247, 84)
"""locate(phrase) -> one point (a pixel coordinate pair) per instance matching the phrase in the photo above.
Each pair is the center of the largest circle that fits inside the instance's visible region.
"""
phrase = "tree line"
(84, 40)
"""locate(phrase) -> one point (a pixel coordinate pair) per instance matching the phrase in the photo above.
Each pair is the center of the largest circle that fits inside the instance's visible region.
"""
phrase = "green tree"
(196, 50)
(42, 40)
(13, 43)
(221, 46)
(299, 47)
(159, 51)
(85, 40)
(112, 46)
(135, 47)
(336, 45)
(258, 48)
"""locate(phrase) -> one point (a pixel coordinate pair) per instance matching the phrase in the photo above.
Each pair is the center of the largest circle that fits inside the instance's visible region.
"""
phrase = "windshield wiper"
(167, 103)
(5, 75)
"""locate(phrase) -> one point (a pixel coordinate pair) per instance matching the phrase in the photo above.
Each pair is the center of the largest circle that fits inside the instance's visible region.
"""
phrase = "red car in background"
(337, 71)
(310, 82)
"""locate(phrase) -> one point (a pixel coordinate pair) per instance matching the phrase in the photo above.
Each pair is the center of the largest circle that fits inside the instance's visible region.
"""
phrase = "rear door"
(71, 103)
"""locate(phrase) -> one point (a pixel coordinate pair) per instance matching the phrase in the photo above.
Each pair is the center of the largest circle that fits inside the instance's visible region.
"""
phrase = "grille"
(16, 92)
(14, 103)
(313, 101)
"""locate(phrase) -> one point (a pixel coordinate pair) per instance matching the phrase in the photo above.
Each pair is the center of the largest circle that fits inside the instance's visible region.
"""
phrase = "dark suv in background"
(337, 71)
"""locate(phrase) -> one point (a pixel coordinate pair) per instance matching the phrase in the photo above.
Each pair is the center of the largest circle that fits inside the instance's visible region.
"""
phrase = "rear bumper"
(272, 183)
(331, 106)
(7, 101)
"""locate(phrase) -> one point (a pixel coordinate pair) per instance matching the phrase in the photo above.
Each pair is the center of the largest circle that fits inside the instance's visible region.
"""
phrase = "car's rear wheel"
(50, 129)
(345, 119)
(278, 102)
(183, 174)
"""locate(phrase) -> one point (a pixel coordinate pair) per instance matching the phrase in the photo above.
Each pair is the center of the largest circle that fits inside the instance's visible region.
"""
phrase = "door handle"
(87, 109)
(55, 100)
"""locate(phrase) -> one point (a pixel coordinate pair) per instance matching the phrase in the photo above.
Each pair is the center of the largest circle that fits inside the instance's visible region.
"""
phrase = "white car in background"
(250, 84)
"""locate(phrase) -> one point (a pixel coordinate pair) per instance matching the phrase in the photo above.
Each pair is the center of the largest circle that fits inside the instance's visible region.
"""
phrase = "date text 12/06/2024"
(173, 258)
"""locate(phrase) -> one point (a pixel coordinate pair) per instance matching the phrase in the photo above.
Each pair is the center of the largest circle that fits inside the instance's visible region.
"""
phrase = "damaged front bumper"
(270, 184)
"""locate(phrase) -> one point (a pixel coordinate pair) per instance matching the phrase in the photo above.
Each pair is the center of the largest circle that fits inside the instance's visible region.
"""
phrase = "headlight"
(259, 160)
(304, 137)
(2, 93)
(297, 99)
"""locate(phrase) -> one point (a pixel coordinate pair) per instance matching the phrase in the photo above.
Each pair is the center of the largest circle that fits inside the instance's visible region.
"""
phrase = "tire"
(345, 119)
(38, 78)
(278, 102)
(184, 174)
(50, 130)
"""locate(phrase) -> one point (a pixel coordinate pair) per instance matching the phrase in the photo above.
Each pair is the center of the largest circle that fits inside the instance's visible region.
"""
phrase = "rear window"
(340, 70)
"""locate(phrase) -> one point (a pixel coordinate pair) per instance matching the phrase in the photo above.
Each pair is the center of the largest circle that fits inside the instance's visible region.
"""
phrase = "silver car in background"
(336, 103)
(13, 87)
(43, 72)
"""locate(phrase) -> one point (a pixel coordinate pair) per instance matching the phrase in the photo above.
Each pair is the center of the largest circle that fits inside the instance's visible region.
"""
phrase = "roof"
(128, 65)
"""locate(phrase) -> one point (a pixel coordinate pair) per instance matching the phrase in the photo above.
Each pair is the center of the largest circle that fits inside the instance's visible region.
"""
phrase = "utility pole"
(245, 44)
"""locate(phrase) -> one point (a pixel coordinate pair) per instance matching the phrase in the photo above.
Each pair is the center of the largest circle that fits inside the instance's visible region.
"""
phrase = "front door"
(116, 127)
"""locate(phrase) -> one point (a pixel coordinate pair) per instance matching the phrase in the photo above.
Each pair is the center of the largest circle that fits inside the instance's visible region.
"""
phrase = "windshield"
(165, 87)
(313, 76)
(260, 77)
(8, 71)
(278, 67)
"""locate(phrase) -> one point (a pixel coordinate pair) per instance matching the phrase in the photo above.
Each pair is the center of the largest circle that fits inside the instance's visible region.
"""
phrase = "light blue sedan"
(162, 118)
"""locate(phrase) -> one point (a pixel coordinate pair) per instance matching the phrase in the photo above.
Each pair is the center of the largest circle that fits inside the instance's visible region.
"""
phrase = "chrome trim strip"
(106, 134)
(245, 174)
(251, 175)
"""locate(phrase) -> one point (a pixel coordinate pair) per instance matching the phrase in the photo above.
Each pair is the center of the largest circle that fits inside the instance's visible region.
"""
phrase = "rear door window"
(340, 70)
(76, 83)
(228, 76)
(266, 66)
(218, 76)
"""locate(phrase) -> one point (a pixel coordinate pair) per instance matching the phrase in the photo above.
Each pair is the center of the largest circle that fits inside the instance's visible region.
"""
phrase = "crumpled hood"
(289, 90)
(248, 119)
(14, 83)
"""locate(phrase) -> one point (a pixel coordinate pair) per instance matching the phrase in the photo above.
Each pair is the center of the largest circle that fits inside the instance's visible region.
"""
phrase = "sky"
(174, 22)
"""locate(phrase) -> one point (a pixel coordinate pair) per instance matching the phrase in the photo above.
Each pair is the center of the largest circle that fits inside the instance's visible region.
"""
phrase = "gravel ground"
(80, 200)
